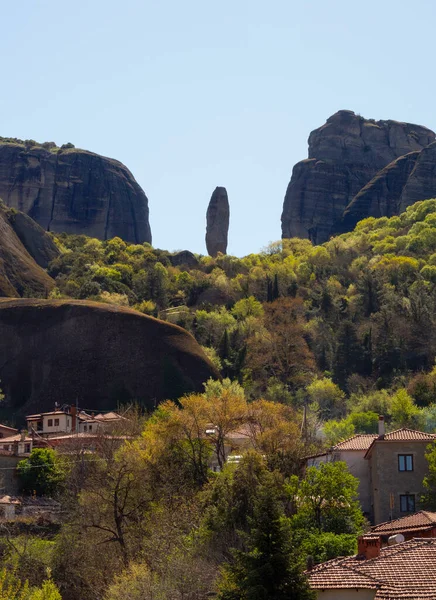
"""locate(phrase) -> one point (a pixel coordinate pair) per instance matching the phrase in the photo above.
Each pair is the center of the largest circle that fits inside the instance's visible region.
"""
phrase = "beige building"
(397, 467)
(57, 421)
(352, 452)
(405, 571)
(390, 468)
(19, 445)
(72, 420)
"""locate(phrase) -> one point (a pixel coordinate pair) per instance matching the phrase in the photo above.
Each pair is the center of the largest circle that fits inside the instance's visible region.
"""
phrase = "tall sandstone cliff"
(73, 191)
(345, 154)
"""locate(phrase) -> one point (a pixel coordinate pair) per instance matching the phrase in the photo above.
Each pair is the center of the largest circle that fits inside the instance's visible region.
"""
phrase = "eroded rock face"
(381, 196)
(37, 242)
(400, 184)
(344, 155)
(20, 275)
(421, 183)
(100, 354)
(74, 191)
(217, 222)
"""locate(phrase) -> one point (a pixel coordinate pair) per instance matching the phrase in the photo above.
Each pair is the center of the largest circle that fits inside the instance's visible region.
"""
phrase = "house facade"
(390, 467)
(57, 421)
(397, 467)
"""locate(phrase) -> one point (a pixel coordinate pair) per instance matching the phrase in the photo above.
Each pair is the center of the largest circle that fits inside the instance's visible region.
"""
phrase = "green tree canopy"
(40, 473)
(326, 499)
(270, 568)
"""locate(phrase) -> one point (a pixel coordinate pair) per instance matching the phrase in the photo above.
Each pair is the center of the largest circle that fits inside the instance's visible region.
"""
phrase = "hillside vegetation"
(345, 329)
(355, 315)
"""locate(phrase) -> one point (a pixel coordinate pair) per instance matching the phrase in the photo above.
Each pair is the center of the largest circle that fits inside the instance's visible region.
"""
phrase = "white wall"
(63, 427)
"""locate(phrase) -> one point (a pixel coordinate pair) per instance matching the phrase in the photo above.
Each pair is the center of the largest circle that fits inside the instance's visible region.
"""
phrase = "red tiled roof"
(14, 438)
(406, 571)
(420, 520)
(7, 427)
(403, 435)
(361, 441)
(409, 435)
(337, 575)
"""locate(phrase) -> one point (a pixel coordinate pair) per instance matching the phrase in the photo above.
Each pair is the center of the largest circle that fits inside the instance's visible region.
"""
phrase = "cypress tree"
(276, 292)
(269, 290)
(270, 568)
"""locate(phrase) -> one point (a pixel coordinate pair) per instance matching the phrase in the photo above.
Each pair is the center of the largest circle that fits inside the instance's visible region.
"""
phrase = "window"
(407, 503)
(50, 423)
(27, 448)
(90, 428)
(405, 462)
(56, 422)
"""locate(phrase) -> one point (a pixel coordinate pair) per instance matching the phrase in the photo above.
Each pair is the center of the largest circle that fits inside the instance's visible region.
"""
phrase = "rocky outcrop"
(403, 182)
(73, 191)
(381, 196)
(344, 155)
(20, 275)
(37, 242)
(421, 183)
(99, 354)
(217, 222)
(183, 258)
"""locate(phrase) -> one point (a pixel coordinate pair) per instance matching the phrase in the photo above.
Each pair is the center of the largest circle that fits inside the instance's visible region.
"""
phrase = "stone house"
(390, 468)
(397, 467)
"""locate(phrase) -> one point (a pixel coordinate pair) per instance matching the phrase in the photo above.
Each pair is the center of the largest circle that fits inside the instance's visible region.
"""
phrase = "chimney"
(73, 412)
(381, 427)
(368, 547)
(22, 435)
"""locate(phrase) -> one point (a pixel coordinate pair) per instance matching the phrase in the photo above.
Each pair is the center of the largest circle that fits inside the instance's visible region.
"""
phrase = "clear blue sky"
(198, 93)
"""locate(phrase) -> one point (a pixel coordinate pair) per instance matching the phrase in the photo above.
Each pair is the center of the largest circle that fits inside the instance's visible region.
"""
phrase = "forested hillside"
(313, 343)
(355, 314)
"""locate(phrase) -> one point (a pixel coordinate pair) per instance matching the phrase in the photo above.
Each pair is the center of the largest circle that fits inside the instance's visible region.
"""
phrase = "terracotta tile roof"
(8, 428)
(403, 435)
(14, 438)
(418, 521)
(409, 435)
(403, 572)
(337, 575)
(361, 441)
